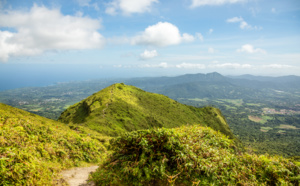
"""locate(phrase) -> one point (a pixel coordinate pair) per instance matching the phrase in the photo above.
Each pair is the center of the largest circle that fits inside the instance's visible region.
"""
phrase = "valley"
(255, 108)
(263, 132)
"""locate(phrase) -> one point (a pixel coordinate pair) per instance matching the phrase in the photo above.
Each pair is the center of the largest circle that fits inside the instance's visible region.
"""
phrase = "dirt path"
(78, 176)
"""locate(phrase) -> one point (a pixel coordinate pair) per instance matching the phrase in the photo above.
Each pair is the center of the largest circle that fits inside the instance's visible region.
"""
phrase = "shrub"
(34, 149)
(188, 156)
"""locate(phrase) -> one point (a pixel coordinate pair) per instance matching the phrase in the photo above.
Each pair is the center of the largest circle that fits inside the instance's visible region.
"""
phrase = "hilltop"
(120, 108)
(33, 149)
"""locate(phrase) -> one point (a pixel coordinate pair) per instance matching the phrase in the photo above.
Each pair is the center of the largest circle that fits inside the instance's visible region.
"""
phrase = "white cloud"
(88, 4)
(243, 23)
(161, 65)
(231, 66)
(161, 34)
(210, 31)
(43, 29)
(187, 37)
(250, 49)
(128, 7)
(190, 65)
(197, 3)
(148, 54)
(199, 36)
(235, 19)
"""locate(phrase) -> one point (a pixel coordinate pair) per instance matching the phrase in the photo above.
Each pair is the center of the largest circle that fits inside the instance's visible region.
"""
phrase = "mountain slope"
(119, 108)
(34, 149)
(189, 155)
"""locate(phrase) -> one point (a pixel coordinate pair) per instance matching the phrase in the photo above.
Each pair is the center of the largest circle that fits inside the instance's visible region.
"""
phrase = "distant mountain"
(119, 108)
(283, 83)
(267, 78)
(211, 85)
(156, 83)
(216, 86)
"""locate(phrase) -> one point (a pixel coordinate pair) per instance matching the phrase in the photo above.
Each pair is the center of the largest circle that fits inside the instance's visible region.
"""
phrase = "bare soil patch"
(255, 118)
(282, 126)
(78, 176)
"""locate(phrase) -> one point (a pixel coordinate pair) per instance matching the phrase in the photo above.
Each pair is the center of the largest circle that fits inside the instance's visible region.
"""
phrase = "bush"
(34, 149)
(188, 156)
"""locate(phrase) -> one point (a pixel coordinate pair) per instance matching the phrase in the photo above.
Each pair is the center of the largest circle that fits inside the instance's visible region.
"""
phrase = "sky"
(44, 42)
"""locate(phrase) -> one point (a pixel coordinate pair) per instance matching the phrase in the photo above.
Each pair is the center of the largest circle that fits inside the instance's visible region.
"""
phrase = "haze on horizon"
(43, 42)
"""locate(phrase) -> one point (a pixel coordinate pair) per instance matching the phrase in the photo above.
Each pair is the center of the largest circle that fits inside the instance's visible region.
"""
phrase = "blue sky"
(128, 38)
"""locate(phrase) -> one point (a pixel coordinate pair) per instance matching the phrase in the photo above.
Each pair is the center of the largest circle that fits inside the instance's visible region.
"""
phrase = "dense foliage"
(120, 108)
(192, 155)
(34, 149)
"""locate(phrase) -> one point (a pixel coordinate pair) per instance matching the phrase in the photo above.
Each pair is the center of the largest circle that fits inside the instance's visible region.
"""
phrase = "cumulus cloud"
(197, 3)
(250, 49)
(161, 34)
(243, 23)
(42, 29)
(190, 65)
(148, 54)
(128, 7)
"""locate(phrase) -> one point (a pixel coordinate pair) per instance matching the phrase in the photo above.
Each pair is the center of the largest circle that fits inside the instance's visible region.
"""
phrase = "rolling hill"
(120, 108)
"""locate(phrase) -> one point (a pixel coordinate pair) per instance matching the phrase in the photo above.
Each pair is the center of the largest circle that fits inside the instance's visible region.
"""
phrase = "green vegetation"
(51, 101)
(120, 108)
(274, 99)
(257, 130)
(34, 149)
(265, 129)
(189, 155)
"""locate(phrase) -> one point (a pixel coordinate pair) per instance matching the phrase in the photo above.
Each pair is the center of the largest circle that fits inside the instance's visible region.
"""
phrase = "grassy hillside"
(119, 108)
(189, 155)
(34, 149)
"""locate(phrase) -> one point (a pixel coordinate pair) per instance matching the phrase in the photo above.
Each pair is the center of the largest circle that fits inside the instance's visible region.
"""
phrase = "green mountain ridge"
(120, 108)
